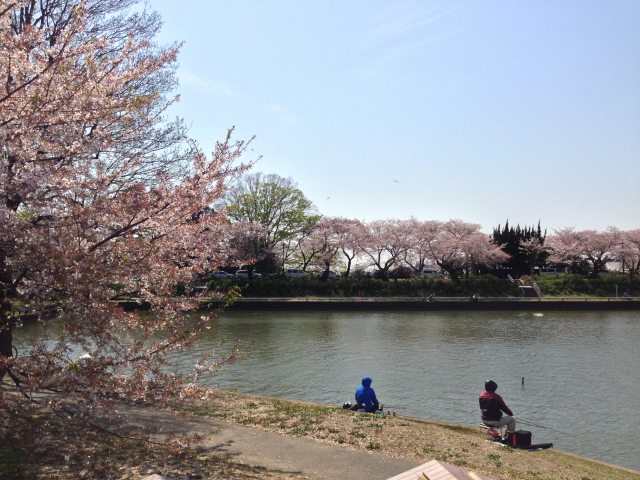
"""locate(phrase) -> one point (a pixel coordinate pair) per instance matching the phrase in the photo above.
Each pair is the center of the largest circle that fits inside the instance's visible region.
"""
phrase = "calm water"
(581, 369)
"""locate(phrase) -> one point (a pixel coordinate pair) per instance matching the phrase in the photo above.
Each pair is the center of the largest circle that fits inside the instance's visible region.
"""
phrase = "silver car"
(245, 274)
(220, 274)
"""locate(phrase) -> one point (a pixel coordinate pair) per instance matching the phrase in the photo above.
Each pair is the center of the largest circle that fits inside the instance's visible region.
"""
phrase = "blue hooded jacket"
(365, 394)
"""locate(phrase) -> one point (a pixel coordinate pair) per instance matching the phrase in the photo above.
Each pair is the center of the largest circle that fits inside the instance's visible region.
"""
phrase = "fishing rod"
(541, 426)
(387, 406)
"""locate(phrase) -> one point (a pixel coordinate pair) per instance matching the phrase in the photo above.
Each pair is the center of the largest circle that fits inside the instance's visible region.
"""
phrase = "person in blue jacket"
(366, 397)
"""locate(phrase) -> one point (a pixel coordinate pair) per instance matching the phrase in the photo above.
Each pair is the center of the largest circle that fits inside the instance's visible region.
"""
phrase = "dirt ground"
(405, 438)
(249, 437)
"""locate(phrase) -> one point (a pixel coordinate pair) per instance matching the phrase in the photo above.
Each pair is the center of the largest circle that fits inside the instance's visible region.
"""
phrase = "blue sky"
(478, 110)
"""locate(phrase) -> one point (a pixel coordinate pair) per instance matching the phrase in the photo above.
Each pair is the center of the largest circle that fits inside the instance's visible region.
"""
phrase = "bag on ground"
(519, 438)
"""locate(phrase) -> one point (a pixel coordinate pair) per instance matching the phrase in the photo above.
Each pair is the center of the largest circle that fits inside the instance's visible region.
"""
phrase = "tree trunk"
(597, 268)
(6, 327)
(325, 274)
(454, 274)
(348, 271)
(6, 341)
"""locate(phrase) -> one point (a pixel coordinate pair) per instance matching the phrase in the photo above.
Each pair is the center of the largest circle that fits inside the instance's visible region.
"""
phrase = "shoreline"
(407, 303)
(426, 304)
(248, 406)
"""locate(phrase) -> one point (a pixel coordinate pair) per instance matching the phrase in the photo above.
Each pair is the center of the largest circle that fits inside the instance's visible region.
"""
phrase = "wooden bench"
(435, 470)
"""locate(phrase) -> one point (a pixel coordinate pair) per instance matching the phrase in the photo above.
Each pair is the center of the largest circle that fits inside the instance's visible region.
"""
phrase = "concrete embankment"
(410, 303)
(435, 303)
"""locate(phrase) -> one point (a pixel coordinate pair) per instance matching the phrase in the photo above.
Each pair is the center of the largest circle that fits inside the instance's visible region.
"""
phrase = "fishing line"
(518, 420)
(541, 426)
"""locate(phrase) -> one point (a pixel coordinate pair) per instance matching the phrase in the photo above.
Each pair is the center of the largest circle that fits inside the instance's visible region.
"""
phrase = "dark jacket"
(365, 395)
(492, 405)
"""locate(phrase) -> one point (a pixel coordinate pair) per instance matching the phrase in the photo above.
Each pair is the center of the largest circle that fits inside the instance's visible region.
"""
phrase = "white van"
(295, 273)
(553, 270)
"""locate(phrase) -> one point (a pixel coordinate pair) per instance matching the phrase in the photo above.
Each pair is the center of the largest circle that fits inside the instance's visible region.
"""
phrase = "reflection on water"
(580, 368)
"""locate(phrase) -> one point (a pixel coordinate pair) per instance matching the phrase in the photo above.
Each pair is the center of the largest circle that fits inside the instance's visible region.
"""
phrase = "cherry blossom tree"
(309, 245)
(598, 248)
(327, 234)
(565, 250)
(459, 246)
(347, 235)
(420, 236)
(90, 200)
(317, 246)
(533, 250)
(627, 249)
(594, 248)
(384, 244)
(241, 239)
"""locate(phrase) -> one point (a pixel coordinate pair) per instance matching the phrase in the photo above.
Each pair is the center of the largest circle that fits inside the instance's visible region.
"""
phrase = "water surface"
(580, 369)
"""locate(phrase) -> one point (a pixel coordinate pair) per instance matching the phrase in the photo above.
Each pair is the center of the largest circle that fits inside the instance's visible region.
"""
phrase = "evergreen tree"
(525, 247)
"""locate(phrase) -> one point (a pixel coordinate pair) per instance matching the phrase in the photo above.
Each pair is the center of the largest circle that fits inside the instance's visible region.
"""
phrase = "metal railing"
(537, 289)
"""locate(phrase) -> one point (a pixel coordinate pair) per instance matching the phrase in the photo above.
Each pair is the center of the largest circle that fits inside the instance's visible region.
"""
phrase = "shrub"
(570, 284)
(486, 285)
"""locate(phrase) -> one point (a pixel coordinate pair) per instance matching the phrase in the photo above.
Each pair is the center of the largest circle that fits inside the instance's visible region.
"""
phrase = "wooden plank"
(413, 473)
(435, 470)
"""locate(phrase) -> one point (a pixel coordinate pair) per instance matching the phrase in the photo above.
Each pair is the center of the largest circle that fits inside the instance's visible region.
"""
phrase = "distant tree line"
(288, 232)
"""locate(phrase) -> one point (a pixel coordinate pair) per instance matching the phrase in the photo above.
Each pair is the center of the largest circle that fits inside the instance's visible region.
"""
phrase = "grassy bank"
(56, 456)
(577, 285)
(401, 437)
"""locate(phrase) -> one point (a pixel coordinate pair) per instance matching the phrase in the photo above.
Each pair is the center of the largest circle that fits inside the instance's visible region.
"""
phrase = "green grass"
(418, 441)
(576, 285)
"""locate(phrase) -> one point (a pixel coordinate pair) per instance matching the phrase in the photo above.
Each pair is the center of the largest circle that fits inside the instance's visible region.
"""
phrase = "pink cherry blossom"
(96, 200)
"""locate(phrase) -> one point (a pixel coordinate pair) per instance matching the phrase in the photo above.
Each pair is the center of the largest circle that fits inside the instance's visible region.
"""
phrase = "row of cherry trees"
(277, 226)
(456, 247)
(590, 251)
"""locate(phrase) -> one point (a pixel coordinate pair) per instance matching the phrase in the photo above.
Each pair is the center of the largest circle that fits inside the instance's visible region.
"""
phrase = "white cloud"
(403, 19)
(404, 28)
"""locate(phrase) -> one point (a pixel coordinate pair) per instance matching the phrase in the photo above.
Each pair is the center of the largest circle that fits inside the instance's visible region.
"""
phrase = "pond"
(581, 387)
(580, 369)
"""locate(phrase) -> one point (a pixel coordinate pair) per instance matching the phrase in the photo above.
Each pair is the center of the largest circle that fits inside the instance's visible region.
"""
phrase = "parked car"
(295, 273)
(431, 273)
(245, 274)
(553, 270)
(220, 274)
(331, 275)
